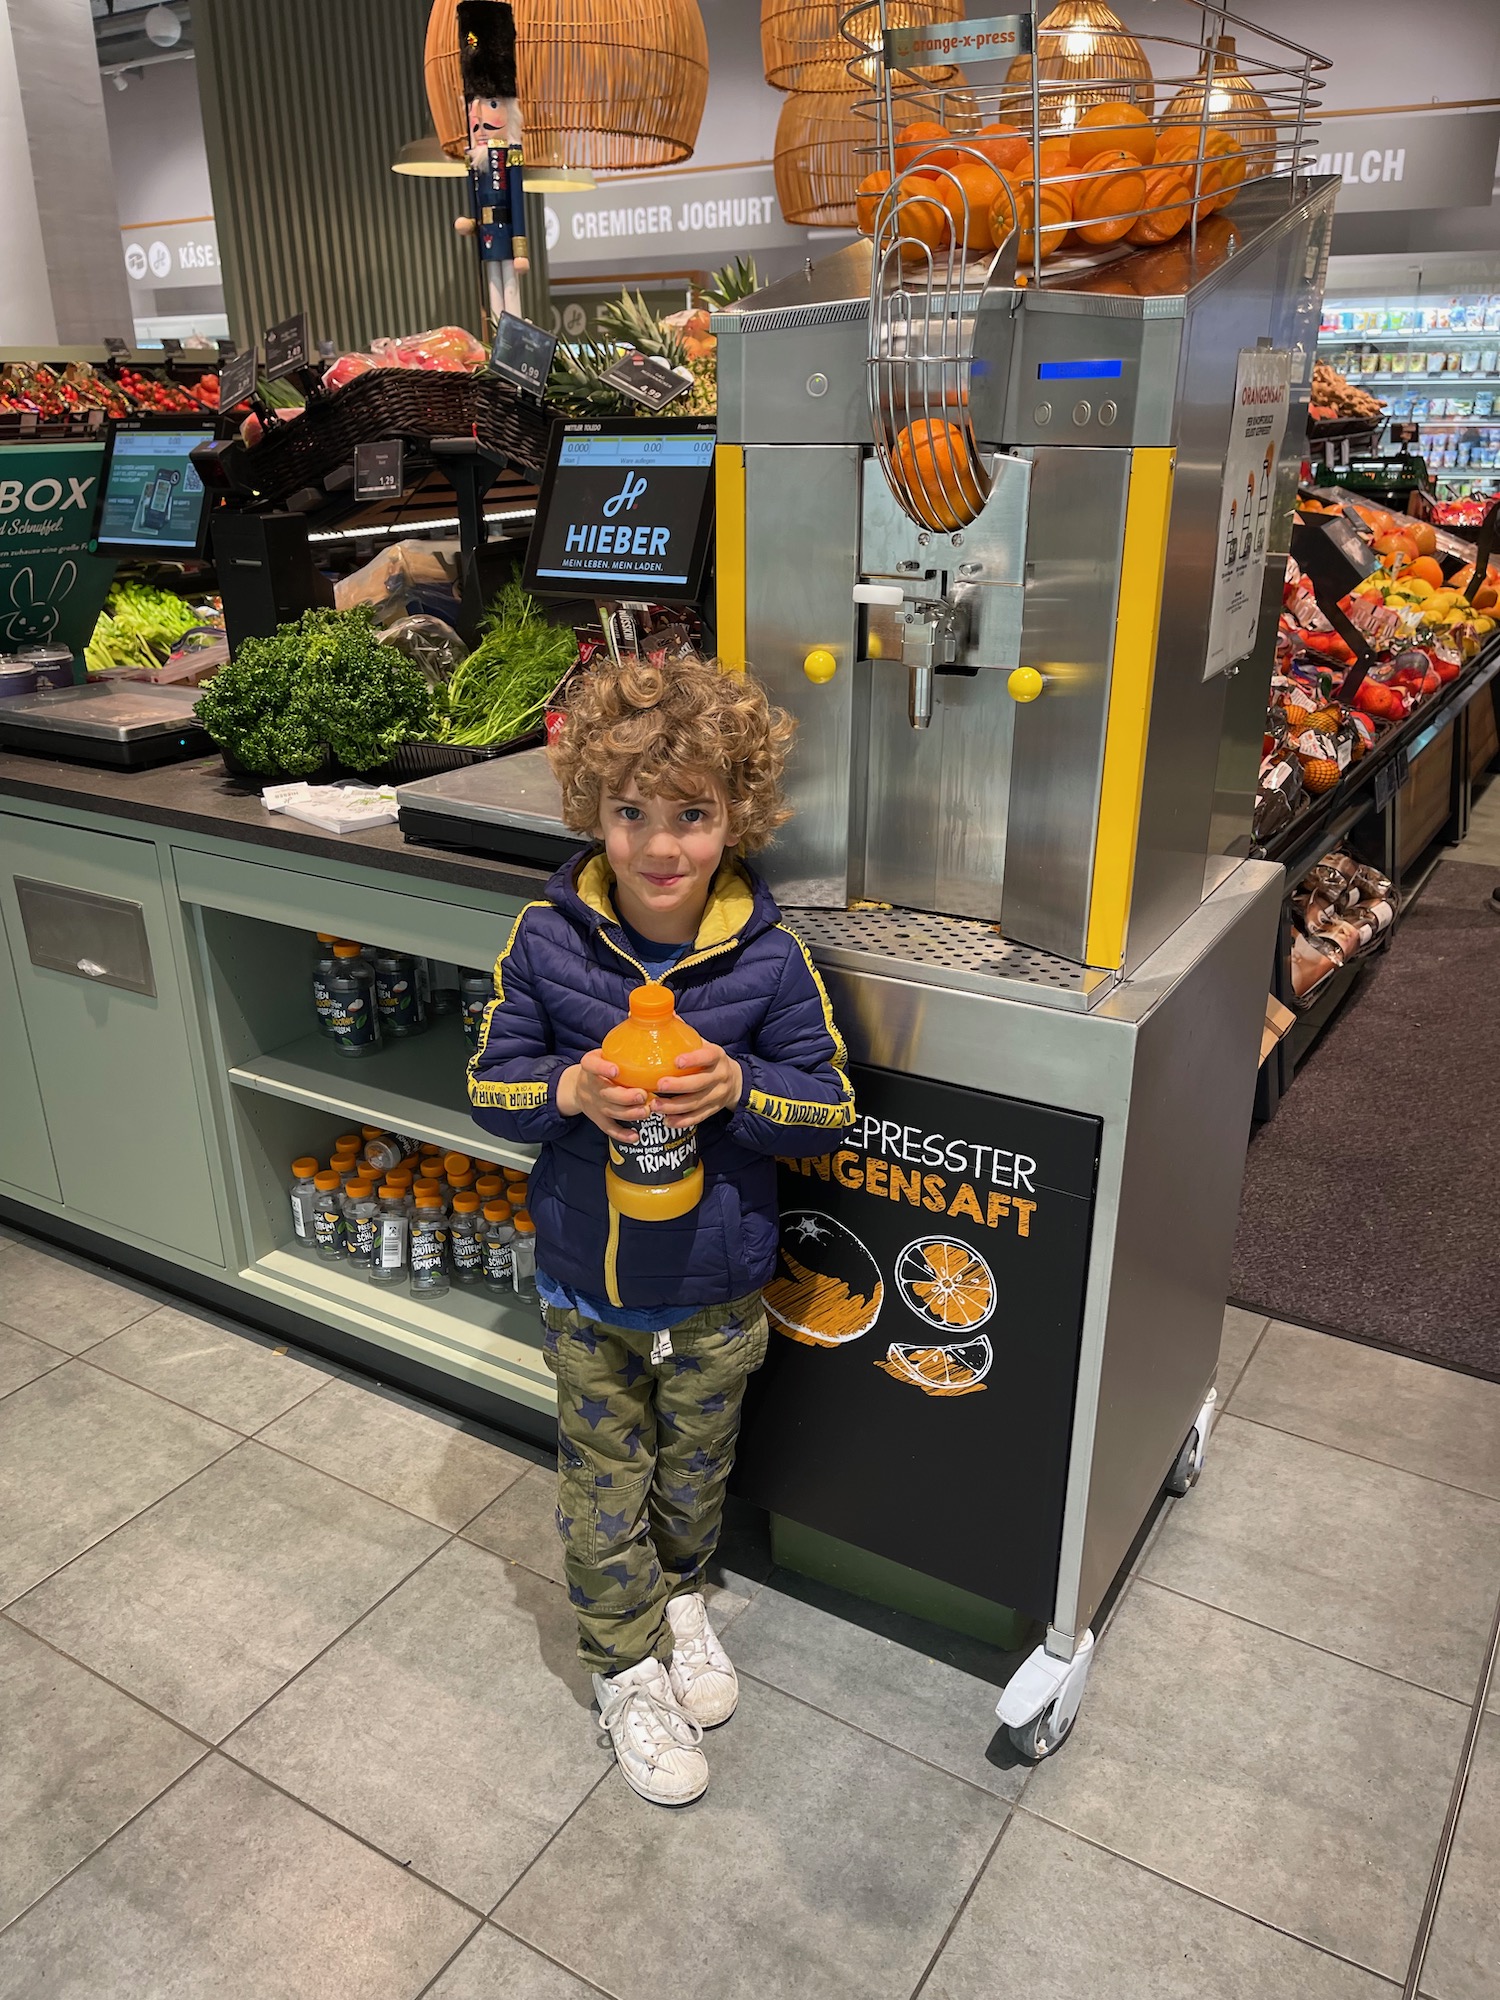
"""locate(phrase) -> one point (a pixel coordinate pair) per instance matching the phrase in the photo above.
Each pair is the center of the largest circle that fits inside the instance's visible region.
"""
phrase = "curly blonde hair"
(668, 728)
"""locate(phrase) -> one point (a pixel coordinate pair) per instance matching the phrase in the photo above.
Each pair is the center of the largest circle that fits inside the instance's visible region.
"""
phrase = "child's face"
(664, 852)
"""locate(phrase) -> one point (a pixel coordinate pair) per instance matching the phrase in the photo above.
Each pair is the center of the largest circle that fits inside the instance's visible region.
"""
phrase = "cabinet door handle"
(91, 970)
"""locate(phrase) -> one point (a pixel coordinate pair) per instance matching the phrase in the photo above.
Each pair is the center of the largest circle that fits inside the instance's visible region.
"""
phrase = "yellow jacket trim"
(791, 1111)
(612, 1259)
(731, 901)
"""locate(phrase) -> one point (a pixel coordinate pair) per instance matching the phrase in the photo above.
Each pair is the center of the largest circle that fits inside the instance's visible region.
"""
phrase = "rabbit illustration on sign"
(33, 617)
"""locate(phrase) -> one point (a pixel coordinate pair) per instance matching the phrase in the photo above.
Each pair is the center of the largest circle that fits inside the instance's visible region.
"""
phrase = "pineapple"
(576, 387)
(727, 287)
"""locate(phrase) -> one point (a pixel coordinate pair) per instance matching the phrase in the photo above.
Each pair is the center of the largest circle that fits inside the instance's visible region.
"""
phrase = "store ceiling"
(133, 35)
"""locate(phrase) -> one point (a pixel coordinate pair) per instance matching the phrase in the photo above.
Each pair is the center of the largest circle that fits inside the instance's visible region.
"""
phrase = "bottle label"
(392, 1242)
(299, 1220)
(473, 1021)
(352, 1020)
(322, 1000)
(467, 1252)
(662, 1156)
(399, 1002)
(499, 1263)
(328, 1227)
(427, 1246)
(362, 1233)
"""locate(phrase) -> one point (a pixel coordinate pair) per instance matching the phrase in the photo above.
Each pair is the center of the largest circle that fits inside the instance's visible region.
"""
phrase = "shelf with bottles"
(1409, 318)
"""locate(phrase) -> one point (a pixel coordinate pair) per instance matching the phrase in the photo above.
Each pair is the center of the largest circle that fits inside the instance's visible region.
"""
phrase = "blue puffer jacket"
(562, 982)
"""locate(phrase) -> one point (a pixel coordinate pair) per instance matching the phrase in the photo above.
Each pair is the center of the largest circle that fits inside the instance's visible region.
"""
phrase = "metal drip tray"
(949, 951)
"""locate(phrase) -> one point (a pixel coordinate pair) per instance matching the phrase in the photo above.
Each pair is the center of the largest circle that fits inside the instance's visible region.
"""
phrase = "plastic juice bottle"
(525, 1255)
(427, 1190)
(323, 970)
(355, 1017)
(386, 1151)
(398, 994)
(328, 1217)
(361, 1224)
(475, 992)
(465, 1251)
(462, 1184)
(304, 1193)
(429, 1248)
(497, 1240)
(388, 1264)
(660, 1175)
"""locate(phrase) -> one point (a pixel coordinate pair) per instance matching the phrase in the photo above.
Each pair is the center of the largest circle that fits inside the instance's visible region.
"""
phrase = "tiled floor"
(289, 1709)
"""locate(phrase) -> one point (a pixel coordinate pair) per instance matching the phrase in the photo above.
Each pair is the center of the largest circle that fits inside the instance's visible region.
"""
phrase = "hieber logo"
(625, 540)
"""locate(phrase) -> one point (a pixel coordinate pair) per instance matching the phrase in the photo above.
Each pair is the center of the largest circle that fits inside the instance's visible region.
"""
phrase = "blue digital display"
(1080, 371)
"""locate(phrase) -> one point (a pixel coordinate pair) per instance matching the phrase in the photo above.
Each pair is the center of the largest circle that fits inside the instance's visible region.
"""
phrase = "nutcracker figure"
(487, 59)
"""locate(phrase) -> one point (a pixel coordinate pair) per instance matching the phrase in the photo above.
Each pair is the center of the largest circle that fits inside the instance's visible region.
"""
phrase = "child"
(652, 1328)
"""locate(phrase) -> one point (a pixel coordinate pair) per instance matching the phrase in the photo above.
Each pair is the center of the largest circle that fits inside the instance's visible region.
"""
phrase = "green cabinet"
(25, 1152)
(91, 949)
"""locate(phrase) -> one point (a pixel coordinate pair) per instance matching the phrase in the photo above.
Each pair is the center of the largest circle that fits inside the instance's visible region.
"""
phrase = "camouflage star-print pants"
(644, 1451)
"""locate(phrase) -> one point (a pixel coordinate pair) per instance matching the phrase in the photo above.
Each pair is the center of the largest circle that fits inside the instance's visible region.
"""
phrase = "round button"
(817, 385)
(1108, 412)
(1042, 414)
(1082, 412)
(820, 666)
(1025, 684)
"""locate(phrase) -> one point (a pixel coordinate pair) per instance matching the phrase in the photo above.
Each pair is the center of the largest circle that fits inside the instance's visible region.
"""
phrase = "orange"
(1117, 127)
(1056, 217)
(1427, 569)
(1319, 774)
(1169, 198)
(914, 139)
(867, 199)
(1425, 537)
(932, 458)
(1107, 202)
(1004, 146)
(968, 192)
(921, 223)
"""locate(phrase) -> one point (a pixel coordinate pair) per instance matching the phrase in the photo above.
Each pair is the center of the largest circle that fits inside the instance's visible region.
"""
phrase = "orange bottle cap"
(326, 937)
(497, 1211)
(491, 1188)
(426, 1190)
(402, 1178)
(456, 1163)
(346, 1142)
(652, 1002)
(428, 1201)
(466, 1204)
(524, 1224)
(486, 1167)
(360, 1190)
(345, 949)
(372, 1131)
(305, 1168)
(390, 1192)
(460, 1180)
(326, 1183)
(427, 1149)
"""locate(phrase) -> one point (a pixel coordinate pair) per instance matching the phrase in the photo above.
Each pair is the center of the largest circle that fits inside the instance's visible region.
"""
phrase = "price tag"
(169, 345)
(646, 379)
(377, 470)
(237, 378)
(523, 353)
(288, 346)
(114, 345)
(1404, 433)
(1385, 786)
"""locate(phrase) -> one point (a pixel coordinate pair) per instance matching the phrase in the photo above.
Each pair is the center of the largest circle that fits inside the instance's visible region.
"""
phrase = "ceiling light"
(426, 157)
(163, 27)
(559, 180)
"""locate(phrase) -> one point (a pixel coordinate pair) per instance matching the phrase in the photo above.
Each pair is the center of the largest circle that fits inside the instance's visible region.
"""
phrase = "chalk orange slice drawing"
(945, 1283)
(941, 1371)
(827, 1289)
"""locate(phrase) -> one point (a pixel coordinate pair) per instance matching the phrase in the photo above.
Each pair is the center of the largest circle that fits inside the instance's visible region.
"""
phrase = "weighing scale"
(508, 807)
(130, 725)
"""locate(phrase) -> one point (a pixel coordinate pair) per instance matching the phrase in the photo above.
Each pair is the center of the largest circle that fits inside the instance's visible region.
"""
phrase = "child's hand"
(710, 1081)
(589, 1090)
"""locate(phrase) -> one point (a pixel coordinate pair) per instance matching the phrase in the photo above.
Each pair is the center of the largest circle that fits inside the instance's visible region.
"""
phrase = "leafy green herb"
(502, 689)
(322, 687)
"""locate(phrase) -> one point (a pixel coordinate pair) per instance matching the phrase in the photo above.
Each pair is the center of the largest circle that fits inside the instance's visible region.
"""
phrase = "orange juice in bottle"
(660, 1175)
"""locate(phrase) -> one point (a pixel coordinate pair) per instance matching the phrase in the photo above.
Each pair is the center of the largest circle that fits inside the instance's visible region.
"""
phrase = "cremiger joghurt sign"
(676, 218)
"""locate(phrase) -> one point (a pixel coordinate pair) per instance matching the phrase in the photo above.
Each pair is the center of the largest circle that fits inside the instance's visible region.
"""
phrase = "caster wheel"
(1184, 1474)
(1043, 1735)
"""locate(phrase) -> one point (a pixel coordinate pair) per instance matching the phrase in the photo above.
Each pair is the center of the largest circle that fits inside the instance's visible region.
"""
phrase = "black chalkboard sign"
(646, 379)
(378, 473)
(523, 353)
(237, 378)
(288, 347)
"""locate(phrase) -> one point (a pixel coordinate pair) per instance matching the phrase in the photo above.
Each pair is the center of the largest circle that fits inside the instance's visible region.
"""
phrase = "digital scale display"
(1080, 371)
(150, 495)
(626, 510)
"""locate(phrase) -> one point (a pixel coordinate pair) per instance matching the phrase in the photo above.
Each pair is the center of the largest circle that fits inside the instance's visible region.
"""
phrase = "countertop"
(198, 798)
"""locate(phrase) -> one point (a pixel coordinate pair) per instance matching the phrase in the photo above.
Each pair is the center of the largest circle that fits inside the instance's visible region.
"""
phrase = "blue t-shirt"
(658, 959)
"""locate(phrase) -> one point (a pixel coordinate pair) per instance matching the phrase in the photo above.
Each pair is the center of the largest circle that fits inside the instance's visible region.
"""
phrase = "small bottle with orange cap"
(328, 1216)
(354, 1017)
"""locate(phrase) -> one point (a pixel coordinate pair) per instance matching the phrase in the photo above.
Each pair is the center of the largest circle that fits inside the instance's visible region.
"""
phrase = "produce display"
(1334, 399)
(1413, 611)
(1115, 177)
(446, 348)
(502, 689)
(58, 392)
(576, 387)
(321, 690)
(1340, 910)
(138, 627)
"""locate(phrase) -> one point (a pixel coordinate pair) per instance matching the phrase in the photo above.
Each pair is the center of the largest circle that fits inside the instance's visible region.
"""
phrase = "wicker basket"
(413, 404)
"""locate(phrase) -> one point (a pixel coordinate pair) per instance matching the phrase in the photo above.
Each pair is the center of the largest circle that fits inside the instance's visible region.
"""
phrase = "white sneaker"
(703, 1681)
(655, 1742)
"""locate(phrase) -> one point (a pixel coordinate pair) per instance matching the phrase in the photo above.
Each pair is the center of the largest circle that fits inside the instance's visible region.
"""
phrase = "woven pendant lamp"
(1234, 106)
(616, 85)
(1082, 43)
(803, 48)
(818, 160)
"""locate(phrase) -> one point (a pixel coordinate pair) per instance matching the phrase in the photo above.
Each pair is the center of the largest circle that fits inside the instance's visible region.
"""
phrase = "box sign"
(625, 511)
(51, 587)
(1443, 161)
(713, 216)
(165, 256)
(926, 1313)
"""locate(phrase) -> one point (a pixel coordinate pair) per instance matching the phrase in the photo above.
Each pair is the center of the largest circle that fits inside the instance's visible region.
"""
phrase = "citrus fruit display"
(941, 1371)
(827, 1289)
(1002, 145)
(1111, 127)
(921, 221)
(945, 1283)
(968, 192)
(1109, 198)
(913, 140)
(931, 457)
(1168, 200)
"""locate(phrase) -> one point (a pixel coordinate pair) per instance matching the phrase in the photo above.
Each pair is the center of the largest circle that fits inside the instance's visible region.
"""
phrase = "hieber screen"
(626, 510)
